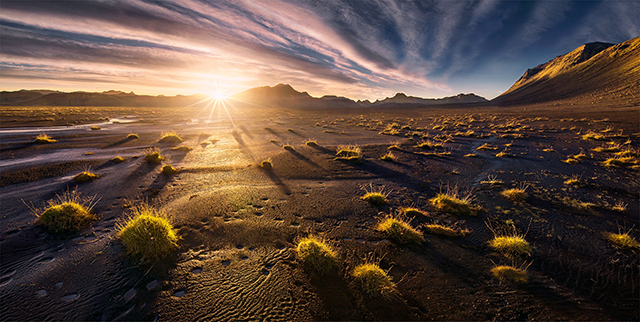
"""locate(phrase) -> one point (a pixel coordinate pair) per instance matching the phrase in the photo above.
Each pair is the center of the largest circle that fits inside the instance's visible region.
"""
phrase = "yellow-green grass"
(351, 153)
(311, 143)
(429, 145)
(486, 146)
(611, 148)
(510, 245)
(400, 231)
(593, 136)
(619, 161)
(147, 233)
(266, 164)
(375, 198)
(168, 170)
(395, 147)
(43, 138)
(624, 241)
(182, 148)
(413, 212)
(117, 159)
(85, 176)
(132, 136)
(509, 273)
(514, 194)
(316, 254)
(67, 214)
(627, 153)
(95, 128)
(171, 138)
(288, 147)
(373, 280)
(153, 156)
(440, 230)
(453, 204)
(388, 157)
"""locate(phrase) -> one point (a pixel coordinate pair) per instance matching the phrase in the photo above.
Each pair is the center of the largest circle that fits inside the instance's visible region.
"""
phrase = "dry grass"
(570, 161)
(388, 157)
(312, 143)
(117, 159)
(443, 231)
(377, 199)
(168, 170)
(504, 154)
(513, 245)
(509, 273)
(182, 148)
(428, 145)
(471, 155)
(153, 156)
(170, 138)
(413, 212)
(66, 214)
(147, 233)
(622, 240)
(95, 128)
(316, 254)
(399, 230)
(593, 136)
(132, 136)
(454, 203)
(373, 280)
(492, 181)
(266, 164)
(619, 161)
(43, 138)
(288, 147)
(486, 146)
(351, 153)
(515, 194)
(85, 176)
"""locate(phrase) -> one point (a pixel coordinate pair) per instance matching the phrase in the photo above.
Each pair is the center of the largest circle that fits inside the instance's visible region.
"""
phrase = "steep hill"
(594, 72)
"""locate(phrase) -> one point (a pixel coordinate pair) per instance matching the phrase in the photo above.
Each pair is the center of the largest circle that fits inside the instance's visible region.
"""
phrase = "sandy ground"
(239, 224)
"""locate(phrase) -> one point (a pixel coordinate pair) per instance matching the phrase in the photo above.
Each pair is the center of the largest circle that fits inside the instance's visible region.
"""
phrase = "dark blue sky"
(360, 49)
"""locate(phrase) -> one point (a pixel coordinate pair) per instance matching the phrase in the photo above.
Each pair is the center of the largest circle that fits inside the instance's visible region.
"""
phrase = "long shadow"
(390, 174)
(305, 159)
(243, 146)
(142, 170)
(295, 133)
(270, 130)
(207, 169)
(246, 131)
(121, 142)
(278, 182)
(17, 147)
(323, 149)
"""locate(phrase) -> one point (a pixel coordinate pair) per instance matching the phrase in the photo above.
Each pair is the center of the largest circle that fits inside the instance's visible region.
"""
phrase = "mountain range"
(593, 72)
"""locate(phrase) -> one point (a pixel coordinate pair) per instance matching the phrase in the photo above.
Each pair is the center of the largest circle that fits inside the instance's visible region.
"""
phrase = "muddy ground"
(239, 224)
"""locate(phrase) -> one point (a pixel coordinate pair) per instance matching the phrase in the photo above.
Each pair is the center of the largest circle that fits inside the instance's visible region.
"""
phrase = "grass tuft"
(400, 231)
(593, 136)
(375, 198)
(43, 138)
(510, 245)
(373, 280)
(515, 194)
(288, 147)
(351, 153)
(117, 159)
(452, 203)
(148, 233)
(440, 230)
(85, 176)
(413, 212)
(168, 170)
(66, 214)
(266, 164)
(316, 254)
(132, 136)
(171, 138)
(508, 273)
(153, 156)
(388, 157)
(624, 241)
(182, 148)
(311, 143)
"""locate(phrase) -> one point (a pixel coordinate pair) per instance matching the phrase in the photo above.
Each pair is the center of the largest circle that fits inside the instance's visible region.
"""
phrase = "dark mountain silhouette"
(592, 72)
(108, 98)
(283, 95)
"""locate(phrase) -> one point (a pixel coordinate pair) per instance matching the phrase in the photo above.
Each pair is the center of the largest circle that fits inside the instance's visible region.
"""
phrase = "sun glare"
(219, 96)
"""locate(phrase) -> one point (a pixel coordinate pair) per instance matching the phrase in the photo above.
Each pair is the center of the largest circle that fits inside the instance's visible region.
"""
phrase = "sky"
(361, 49)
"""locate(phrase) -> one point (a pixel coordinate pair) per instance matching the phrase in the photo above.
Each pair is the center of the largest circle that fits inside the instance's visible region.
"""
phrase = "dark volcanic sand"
(239, 224)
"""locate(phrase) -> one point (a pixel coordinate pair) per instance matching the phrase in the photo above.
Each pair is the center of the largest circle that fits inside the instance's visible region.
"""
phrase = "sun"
(219, 96)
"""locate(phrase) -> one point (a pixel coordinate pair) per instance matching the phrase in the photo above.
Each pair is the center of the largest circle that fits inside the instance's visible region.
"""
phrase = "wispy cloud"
(360, 49)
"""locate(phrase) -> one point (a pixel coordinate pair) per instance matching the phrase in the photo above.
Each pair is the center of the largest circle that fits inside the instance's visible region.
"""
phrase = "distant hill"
(592, 72)
(108, 98)
(283, 95)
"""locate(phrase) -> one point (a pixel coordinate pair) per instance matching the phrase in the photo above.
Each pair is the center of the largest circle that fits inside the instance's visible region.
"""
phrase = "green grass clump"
(171, 138)
(153, 156)
(132, 136)
(168, 170)
(373, 280)
(117, 159)
(400, 231)
(85, 176)
(510, 245)
(67, 214)
(43, 138)
(375, 198)
(514, 194)
(622, 240)
(351, 153)
(508, 273)
(312, 143)
(316, 254)
(441, 230)
(454, 204)
(147, 233)
(288, 147)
